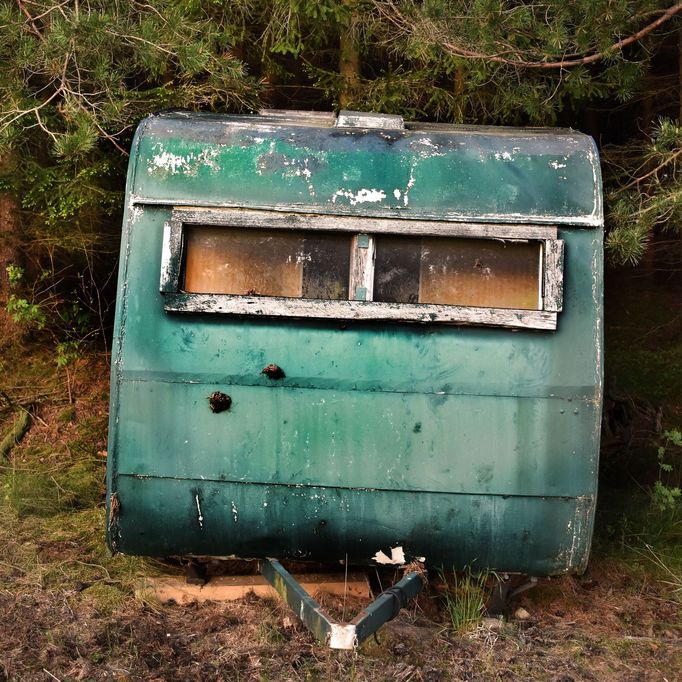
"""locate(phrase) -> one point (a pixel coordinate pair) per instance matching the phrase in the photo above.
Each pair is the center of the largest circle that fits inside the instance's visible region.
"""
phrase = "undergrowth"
(52, 514)
(464, 595)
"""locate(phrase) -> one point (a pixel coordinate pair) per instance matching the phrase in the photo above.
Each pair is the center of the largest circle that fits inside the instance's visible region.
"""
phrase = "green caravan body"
(353, 337)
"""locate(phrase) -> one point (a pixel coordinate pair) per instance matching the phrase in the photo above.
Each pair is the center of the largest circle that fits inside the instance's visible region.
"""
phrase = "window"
(457, 271)
(250, 262)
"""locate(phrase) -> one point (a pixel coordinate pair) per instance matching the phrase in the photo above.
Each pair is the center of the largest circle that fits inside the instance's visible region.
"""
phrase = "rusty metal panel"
(457, 444)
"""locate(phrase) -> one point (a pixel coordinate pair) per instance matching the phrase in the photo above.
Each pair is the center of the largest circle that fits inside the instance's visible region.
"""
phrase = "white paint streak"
(397, 557)
(556, 165)
(135, 214)
(166, 255)
(362, 196)
(200, 518)
(234, 511)
(167, 162)
(410, 184)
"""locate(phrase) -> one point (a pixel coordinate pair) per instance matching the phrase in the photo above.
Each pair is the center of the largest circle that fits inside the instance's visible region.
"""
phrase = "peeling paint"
(397, 557)
(410, 184)
(234, 511)
(200, 517)
(175, 164)
(362, 196)
(135, 214)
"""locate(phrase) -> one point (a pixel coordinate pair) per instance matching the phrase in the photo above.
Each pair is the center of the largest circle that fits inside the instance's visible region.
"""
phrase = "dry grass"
(69, 610)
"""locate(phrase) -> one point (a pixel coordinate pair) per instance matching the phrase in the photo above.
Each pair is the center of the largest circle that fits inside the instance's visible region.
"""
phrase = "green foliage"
(646, 191)
(77, 79)
(14, 275)
(25, 313)
(492, 54)
(67, 352)
(666, 493)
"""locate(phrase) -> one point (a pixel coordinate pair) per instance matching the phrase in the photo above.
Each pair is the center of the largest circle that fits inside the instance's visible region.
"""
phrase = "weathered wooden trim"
(361, 278)
(171, 256)
(593, 220)
(241, 217)
(230, 588)
(554, 275)
(357, 310)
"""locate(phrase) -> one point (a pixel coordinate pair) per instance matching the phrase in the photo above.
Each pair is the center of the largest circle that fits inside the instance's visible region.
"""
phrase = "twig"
(562, 63)
(661, 165)
(34, 28)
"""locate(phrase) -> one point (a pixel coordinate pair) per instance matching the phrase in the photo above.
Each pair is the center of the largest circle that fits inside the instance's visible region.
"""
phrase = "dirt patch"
(605, 627)
(69, 610)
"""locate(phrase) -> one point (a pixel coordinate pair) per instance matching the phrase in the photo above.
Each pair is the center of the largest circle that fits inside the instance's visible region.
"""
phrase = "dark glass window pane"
(484, 273)
(252, 262)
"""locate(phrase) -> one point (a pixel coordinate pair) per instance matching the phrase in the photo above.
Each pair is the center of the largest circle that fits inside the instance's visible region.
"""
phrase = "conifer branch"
(396, 17)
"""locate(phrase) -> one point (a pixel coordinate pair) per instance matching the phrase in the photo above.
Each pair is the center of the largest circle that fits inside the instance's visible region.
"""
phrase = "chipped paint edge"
(582, 221)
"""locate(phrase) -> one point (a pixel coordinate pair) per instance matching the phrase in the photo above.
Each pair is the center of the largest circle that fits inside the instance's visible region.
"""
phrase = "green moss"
(105, 598)
(67, 415)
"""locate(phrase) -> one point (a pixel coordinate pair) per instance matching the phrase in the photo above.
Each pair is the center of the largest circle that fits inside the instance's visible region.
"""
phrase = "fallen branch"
(18, 430)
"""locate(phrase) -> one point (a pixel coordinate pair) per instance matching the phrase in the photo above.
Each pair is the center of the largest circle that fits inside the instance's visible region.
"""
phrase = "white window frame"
(361, 279)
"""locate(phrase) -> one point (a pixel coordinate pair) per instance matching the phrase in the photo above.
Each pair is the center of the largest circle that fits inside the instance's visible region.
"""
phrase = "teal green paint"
(546, 175)
(343, 438)
(504, 533)
(462, 444)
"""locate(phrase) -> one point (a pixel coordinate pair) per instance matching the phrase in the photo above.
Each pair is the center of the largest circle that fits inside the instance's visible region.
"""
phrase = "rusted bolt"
(219, 401)
(274, 372)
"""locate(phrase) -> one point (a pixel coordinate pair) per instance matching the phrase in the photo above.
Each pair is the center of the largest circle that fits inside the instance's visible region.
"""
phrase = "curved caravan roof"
(368, 165)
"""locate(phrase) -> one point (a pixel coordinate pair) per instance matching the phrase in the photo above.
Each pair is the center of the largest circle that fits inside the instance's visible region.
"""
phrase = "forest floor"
(70, 611)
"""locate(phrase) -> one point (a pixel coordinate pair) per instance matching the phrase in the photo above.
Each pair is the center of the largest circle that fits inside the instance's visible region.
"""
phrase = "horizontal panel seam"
(316, 486)
(128, 378)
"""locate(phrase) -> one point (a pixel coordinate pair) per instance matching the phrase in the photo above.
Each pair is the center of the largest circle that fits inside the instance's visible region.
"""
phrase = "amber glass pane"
(454, 271)
(223, 260)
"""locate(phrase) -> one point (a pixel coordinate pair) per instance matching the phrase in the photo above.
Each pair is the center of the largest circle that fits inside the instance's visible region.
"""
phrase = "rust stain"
(219, 402)
(273, 372)
(114, 510)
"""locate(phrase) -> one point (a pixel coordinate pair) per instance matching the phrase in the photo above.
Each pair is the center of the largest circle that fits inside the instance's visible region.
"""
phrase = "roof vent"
(368, 119)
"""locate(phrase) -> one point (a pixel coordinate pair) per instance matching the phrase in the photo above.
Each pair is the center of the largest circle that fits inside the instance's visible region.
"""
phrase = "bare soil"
(606, 628)
(68, 610)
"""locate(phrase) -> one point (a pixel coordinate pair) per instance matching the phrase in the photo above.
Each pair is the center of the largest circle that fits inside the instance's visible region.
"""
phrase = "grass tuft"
(464, 598)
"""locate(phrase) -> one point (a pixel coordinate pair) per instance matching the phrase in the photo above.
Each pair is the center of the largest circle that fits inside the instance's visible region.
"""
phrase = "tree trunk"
(458, 91)
(9, 226)
(349, 57)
